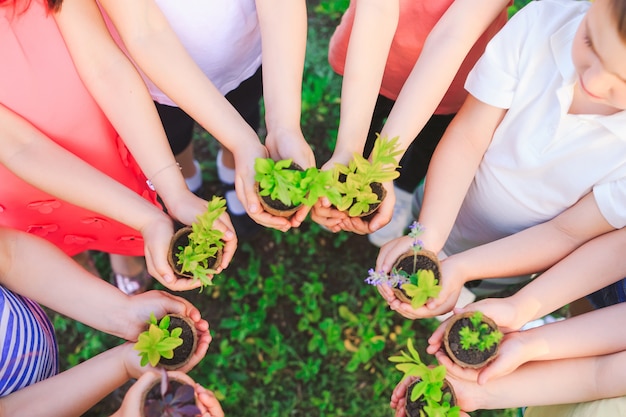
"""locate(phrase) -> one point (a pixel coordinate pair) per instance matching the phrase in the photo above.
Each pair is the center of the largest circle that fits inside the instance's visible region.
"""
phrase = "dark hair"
(53, 5)
(618, 9)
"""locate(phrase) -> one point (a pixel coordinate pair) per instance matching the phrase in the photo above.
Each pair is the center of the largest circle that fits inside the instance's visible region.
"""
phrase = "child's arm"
(121, 93)
(450, 174)
(73, 392)
(546, 383)
(445, 49)
(59, 283)
(538, 248)
(375, 23)
(39, 161)
(156, 49)
(283, 35)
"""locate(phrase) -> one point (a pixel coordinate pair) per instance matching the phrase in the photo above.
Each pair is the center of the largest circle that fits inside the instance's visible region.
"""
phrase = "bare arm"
(39, 161)
(445, 49)
(72, 392)
(375, 23)
(548, 382)
(450, 174)
(59, 283)
(121, 93)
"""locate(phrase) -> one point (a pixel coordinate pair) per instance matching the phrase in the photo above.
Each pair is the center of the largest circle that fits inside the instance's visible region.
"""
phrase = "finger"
(299, 216)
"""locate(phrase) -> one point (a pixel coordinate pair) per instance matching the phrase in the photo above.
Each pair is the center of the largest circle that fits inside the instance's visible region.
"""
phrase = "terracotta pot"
(184, 352)
(181, 238)
(413, 408)
(472, 358)
(424, 259)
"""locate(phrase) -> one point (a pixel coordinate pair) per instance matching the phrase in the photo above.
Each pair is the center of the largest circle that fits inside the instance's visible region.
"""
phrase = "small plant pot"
(153, 394)
(381, 193)
(472, 358)
(424, 259)
(184, 352)
(275, 207)
(415, 408)
(181, 239)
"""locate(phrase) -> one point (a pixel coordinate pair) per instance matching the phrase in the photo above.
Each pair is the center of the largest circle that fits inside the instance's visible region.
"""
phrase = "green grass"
(296, 332)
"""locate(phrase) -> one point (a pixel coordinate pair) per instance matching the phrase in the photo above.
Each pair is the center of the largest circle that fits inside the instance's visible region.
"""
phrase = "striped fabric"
(27, 342)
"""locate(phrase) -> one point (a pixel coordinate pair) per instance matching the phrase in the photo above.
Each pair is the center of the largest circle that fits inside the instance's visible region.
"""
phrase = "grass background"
(295, 330)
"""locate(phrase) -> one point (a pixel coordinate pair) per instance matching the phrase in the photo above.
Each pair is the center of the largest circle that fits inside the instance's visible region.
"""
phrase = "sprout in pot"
(419, 285)
(170, 397)
(360, 183)
(169, 343)
(430, 395)
(472, 339)
(196, 250)
(283, 187)
(279, 185)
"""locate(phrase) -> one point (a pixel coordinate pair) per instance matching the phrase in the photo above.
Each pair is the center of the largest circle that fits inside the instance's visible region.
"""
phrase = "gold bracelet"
(149, 182)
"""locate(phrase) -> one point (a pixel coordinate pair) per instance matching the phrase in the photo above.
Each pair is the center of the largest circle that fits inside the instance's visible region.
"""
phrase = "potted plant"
(283, 186)
(430, 395)
(196, 250)
(415, 276)
(279, 186)
(360, 183)
(169, 343)
(170, 397)
(472, 339)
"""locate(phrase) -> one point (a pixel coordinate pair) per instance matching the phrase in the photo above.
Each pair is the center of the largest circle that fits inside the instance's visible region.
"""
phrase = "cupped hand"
(398, 396)
(405, 309)
(208, 403)
(380, 218)
(133, 398)
(139, 308)
(244, 186)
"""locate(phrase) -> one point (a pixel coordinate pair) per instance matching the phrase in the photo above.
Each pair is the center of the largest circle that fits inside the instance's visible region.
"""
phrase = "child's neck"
(581, 104)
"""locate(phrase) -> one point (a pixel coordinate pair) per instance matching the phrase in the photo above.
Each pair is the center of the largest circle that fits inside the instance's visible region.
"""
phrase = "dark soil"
(184, 351)
(420, 261)
(470, 356)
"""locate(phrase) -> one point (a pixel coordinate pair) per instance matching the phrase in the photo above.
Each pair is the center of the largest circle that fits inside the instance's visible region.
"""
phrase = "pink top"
(417, 19)
(39, 82)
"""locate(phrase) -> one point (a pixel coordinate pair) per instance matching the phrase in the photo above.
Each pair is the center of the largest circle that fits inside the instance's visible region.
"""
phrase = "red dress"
(39, 82)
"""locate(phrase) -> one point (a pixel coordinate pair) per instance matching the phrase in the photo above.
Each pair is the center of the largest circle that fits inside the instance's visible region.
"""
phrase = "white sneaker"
(400, 220)
(195, 182)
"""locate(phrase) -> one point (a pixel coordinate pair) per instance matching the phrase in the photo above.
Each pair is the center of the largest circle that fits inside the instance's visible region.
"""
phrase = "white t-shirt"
(222, 36)
(541, 160)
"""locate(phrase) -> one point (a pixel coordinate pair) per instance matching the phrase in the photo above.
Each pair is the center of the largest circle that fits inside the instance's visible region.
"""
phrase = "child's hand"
(452, 281)
(208, 403)
(133, 398)
(204, 339)
(291, 144)
(135, 315)
(244, 187)
(391, 251)
(157, 233)
(398, 396)
(501, 310)
(326, 215)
